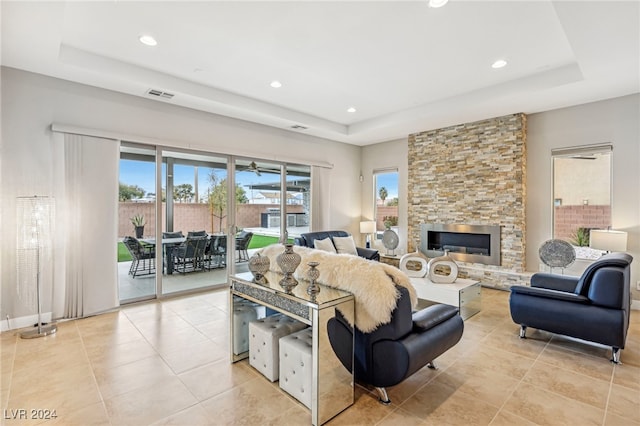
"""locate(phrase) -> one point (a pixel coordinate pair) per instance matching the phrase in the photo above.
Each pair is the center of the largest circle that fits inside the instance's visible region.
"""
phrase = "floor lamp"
(35, 218)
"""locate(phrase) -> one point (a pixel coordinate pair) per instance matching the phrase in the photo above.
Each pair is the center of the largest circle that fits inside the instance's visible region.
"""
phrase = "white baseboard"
(635, 305)
(21, 322)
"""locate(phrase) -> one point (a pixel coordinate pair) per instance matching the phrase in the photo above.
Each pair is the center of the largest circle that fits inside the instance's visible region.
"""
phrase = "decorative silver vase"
(259, 265)
(313, 289)
(288, 261)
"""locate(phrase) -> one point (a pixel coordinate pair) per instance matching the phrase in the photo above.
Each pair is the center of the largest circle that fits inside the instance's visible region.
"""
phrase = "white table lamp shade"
(608, 240)
(368, 227)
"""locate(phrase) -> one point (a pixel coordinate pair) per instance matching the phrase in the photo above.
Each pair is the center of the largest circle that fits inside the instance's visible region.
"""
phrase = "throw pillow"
(325, 245)
(345, 245)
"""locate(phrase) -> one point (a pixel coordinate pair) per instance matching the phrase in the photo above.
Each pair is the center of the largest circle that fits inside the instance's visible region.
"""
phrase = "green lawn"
(123, 253)
(257, 241)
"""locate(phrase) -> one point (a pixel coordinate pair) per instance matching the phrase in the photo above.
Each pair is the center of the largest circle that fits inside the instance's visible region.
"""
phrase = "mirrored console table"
(332, 384)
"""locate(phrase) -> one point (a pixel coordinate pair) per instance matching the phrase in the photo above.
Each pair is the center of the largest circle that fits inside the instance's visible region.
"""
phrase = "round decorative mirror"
(390, 240)
(557, 253)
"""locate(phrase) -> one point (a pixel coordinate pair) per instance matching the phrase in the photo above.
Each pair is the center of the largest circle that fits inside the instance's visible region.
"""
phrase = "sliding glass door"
(272, 203)
(194, 222)
(298, 199)
(203, 214)
(136, 223)
(257, 193)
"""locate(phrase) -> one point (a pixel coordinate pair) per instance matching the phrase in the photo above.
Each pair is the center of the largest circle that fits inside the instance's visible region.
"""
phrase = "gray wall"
(32, 102)
(383, 156)
(616, 121)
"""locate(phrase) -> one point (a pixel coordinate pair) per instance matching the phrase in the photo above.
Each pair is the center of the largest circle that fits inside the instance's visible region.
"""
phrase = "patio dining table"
(167, 245)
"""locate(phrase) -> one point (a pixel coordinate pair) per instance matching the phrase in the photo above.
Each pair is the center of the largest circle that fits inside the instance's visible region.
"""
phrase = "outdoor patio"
(143, 286)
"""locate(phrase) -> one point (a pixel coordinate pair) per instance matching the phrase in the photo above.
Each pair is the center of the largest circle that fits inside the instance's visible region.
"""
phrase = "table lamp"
(608, 240)
(368, 227)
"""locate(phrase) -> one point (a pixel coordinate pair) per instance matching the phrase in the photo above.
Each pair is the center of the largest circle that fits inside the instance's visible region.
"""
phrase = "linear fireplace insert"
(466, 243)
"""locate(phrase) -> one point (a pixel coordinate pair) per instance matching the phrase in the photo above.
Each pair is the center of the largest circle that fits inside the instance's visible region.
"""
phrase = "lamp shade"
(368, 227)
(608, 240)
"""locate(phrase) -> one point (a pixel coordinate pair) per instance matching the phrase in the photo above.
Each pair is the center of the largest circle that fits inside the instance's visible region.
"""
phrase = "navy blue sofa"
(594, 307)
(306, 240)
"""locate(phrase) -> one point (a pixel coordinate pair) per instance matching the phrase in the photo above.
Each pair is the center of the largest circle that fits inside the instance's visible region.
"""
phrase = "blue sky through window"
(390, 182)
(141, 173)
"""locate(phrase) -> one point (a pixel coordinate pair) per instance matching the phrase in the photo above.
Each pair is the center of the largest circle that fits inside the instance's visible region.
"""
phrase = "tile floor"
(167, 363)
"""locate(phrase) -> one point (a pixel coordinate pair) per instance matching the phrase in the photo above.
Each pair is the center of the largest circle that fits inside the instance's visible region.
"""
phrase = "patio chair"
(176, 234)
(189, 256)
(143, 257)
(216, 252)
(242, 244)
(197, 233)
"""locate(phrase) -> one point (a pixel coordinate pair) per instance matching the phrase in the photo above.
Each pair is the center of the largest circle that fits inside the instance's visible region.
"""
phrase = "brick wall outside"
(569, 218)
(473, 173)
(382, 212)
(191, 217)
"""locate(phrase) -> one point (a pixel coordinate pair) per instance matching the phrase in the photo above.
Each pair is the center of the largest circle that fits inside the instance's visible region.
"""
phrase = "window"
(581, 194)
(386, 198)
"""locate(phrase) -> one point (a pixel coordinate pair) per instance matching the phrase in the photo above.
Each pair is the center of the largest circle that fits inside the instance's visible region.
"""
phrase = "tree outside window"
(217, 198)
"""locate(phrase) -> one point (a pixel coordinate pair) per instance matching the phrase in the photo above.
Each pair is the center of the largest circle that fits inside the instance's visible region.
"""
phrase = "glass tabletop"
(327, 295)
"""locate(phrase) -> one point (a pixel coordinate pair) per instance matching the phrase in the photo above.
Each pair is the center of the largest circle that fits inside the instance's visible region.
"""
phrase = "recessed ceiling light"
(499, 64)
(437, 3)
(351, 109)
(148, 40)
(275, 84)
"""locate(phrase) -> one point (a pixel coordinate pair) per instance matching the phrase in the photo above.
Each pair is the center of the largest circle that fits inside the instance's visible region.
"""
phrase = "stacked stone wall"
(474, 174)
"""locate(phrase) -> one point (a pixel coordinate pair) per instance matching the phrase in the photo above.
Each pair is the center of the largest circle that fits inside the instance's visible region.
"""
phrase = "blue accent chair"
(594, 307)
(394, 351)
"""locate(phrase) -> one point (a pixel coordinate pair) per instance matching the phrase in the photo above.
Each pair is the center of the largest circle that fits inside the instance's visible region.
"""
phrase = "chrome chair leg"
(615, 355)
(523, 331)
(382, 396)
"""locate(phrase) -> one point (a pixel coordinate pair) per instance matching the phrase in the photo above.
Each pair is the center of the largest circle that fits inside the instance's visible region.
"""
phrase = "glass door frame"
(231, 228)
(232, 210)
(160, 154)
(154, 148)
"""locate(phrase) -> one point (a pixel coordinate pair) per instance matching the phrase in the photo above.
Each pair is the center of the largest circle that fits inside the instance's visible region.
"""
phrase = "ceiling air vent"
(299, 127)
(160, 93)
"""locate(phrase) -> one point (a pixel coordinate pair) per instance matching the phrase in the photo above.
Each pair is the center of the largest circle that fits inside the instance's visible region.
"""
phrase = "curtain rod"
(106, 134)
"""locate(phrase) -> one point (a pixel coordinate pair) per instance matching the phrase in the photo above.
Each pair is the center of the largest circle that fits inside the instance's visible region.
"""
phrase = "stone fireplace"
(473, 174)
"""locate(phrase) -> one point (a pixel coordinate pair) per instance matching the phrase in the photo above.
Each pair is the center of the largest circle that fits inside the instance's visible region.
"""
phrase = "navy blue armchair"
(396, 350)
(594, 307)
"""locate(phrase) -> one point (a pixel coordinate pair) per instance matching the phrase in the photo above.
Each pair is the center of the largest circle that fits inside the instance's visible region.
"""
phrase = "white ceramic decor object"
(414, 257)
(440, 263)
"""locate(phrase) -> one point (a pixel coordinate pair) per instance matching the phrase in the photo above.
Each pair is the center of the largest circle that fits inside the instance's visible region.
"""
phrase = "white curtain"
(86, 189)
(320, 198)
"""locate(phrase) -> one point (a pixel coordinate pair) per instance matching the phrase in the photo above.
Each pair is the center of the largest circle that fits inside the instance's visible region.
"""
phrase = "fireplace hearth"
(466, 243)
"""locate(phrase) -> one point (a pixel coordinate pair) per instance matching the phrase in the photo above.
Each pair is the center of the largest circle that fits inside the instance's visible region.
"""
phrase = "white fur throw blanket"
(371, 282)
